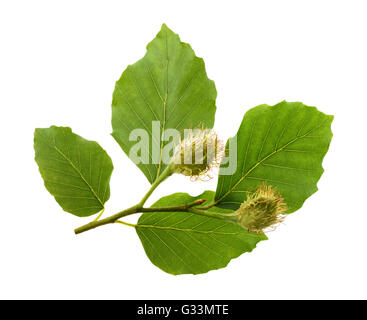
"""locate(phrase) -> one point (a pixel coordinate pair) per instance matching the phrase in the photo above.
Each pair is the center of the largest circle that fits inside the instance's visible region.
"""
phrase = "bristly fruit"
(197, 154)
(262, 210)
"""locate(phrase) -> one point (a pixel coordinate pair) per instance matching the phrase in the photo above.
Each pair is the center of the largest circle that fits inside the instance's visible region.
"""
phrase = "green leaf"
(75, 171)
(181, 242)
(169, 84)
(282, 146)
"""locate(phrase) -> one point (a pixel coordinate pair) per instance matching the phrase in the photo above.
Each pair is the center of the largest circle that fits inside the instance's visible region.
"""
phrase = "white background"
(59, 62)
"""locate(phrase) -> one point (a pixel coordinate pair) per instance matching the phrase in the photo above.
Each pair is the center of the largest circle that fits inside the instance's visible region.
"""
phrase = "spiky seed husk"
(262, 210)
(198, 154)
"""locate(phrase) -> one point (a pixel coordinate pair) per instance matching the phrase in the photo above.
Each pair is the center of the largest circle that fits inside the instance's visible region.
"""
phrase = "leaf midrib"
(164, 109)
(186, 229)
(80, 173)
(77, 171)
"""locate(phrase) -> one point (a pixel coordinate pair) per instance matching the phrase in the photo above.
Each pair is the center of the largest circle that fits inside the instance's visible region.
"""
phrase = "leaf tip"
(164, 27)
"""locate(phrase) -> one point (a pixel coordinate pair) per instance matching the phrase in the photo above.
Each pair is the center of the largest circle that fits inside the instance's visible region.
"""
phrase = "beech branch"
(137, 209)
